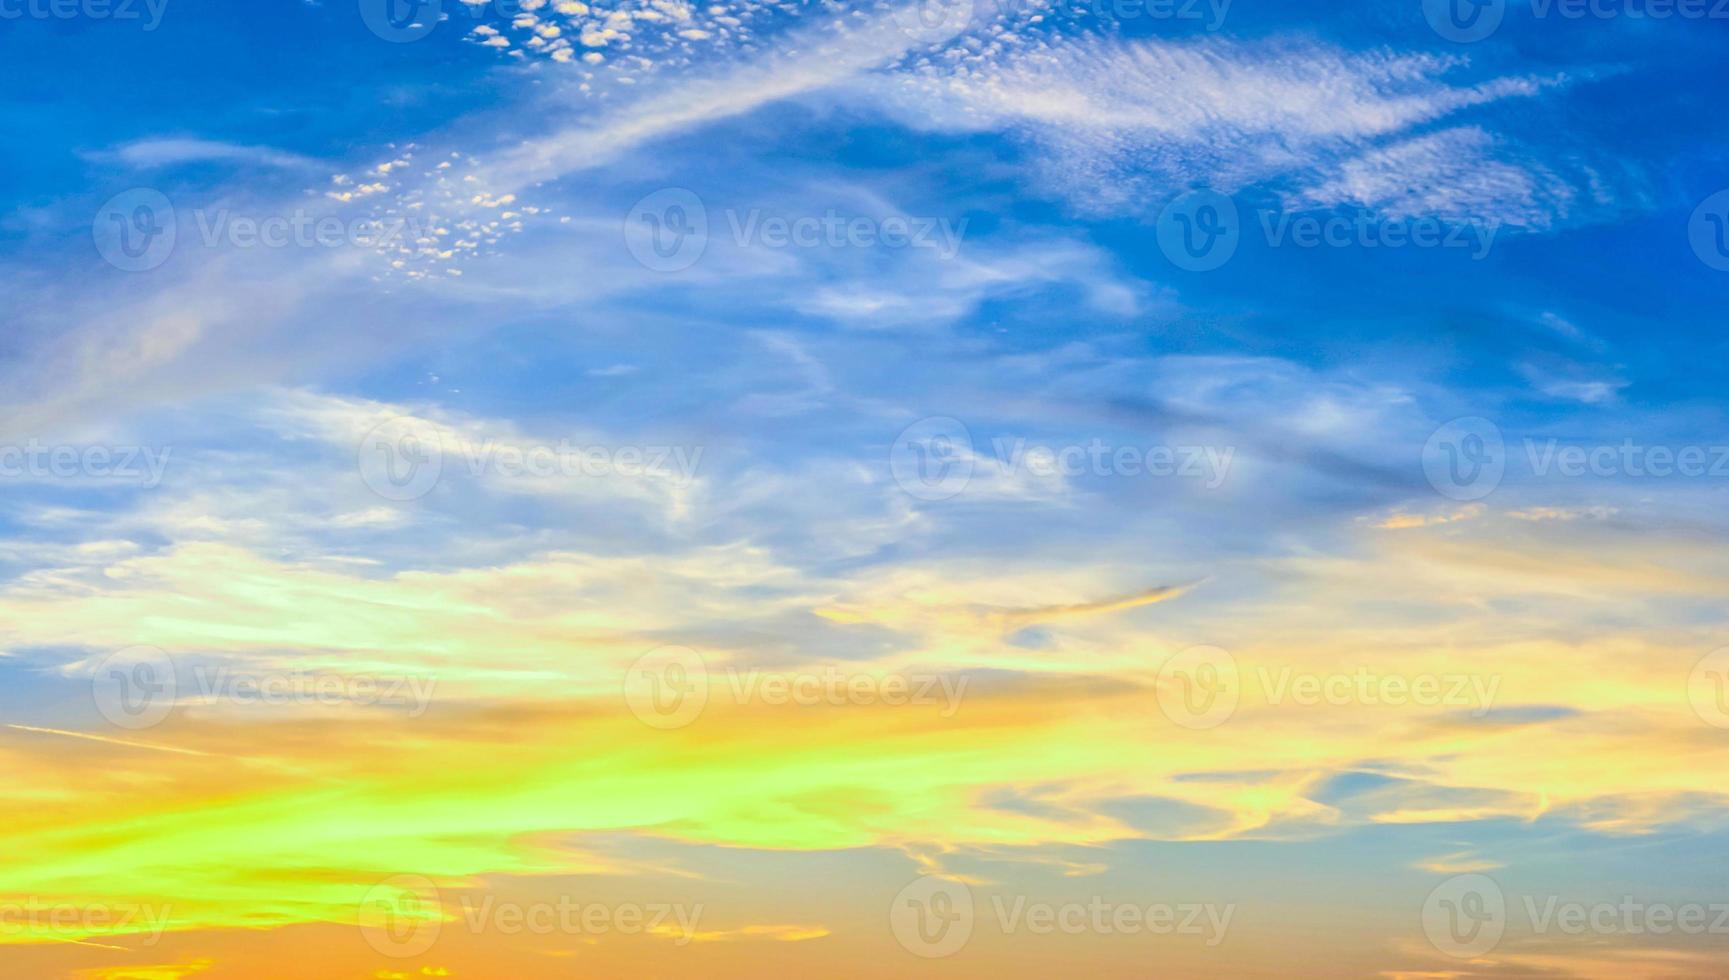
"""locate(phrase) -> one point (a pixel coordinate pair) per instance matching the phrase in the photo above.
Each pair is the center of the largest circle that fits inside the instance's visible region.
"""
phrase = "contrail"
(109, 741)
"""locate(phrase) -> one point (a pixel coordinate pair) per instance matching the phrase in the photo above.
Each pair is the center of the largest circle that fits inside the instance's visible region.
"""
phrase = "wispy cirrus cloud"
(1328, 125)
(168, 152)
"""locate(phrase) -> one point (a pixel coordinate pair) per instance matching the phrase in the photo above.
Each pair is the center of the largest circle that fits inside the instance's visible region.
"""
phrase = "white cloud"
(1457, 173)
(1120, 118)
(168, 152)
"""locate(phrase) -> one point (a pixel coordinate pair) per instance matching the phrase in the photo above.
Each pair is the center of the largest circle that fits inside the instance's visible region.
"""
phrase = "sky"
(983, 488)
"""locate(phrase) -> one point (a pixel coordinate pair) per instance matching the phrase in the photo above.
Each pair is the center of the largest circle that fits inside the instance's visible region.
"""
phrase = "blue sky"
(895, 259)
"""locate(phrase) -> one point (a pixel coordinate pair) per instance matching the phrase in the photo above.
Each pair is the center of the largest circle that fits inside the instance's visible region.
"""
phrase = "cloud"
(1123, 116)
(1459, 174)
(166, 152)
